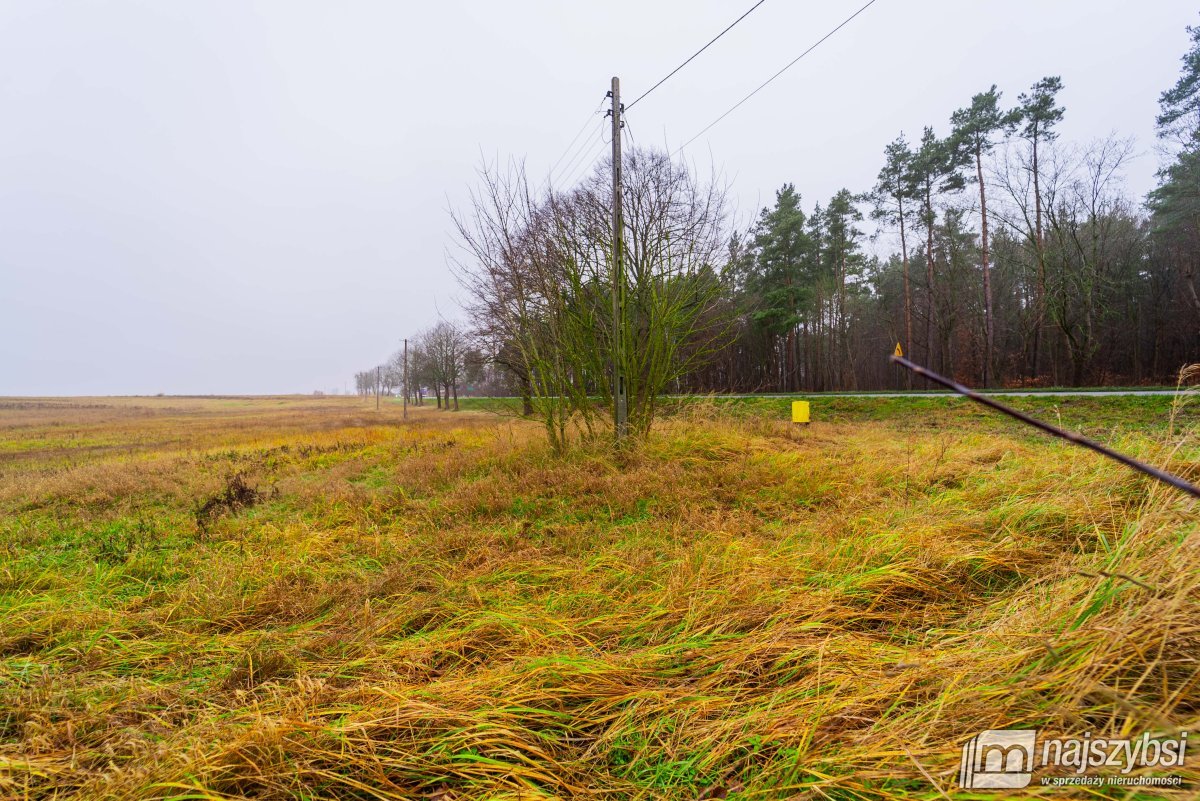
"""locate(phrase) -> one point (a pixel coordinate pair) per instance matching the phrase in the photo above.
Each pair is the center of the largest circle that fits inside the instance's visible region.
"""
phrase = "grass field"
(303, 598)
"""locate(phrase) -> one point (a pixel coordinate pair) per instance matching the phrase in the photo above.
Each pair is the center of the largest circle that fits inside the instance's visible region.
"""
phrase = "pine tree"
(1179, 115)
(782, 245)
(936, 169)
(893, 197)
(819, 277)
(1176, 201)
(975, 130)
(842, 247)
(1038, 116)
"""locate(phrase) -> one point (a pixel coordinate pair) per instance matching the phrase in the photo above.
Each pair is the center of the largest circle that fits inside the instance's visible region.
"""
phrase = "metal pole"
(377, 370)
(620, 402)
(406, 379)
(1162, 475)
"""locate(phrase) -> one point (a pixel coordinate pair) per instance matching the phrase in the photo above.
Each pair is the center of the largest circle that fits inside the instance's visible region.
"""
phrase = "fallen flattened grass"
(441, 609)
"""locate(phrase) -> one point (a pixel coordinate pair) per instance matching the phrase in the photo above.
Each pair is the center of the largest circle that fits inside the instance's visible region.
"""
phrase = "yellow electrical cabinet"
(800, 411)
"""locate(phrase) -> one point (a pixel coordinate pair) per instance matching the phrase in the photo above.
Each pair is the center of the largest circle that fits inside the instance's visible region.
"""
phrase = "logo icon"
(998, 759)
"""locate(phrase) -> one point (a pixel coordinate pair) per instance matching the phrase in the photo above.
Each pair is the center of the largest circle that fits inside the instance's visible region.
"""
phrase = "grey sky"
(230, 196)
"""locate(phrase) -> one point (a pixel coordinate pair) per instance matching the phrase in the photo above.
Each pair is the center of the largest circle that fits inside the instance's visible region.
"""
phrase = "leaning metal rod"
(1153, 472)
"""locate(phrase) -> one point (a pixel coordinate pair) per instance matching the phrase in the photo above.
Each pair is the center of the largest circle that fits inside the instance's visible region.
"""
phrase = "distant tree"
(936, 169)
(975, 129)
(893, 198)
(422, 372)
(393, 373)
(1179, 107)
(820, 282)
(956, 252)
(364, 382)
(443, 350)
(1095, 239)
(1038, 116)
(1175, 203)
(844, 256)
(780, 279)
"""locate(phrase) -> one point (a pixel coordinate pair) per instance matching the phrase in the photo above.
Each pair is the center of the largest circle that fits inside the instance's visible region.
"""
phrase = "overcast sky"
(223, 196)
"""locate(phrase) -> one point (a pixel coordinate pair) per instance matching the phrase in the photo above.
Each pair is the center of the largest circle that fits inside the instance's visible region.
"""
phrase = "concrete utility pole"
(406, 379)
(377, 387)
(620, 402)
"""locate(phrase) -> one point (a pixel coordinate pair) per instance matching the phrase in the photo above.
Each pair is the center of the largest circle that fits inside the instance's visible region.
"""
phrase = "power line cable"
(575, 139)
(605, 144)
(588, 163)
(549, 183)
(693, 55)
(580, 158)
(588, 143)
(764, 84)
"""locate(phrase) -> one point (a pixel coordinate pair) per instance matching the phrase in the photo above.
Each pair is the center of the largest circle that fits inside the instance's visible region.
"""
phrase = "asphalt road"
(1099, 393)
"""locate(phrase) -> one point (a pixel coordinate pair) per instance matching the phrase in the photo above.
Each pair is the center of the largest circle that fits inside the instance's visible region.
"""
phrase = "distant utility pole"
(620, 402)
(377, 388)
(406, 379)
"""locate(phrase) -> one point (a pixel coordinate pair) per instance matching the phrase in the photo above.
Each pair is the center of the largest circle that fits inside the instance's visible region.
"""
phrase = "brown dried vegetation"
(443, 609)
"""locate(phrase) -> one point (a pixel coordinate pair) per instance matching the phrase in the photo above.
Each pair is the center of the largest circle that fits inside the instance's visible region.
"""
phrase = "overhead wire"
(587, 146)
(583, 158)
(578, 134)
(586, 164)
(768, 81)
(578, 155)
(693, 55)
(572, 149)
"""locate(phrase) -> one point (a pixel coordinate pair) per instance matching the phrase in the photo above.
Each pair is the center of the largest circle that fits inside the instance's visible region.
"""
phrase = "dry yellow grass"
(443, 609)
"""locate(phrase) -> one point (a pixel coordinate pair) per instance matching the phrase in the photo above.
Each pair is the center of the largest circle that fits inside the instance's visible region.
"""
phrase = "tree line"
(440, 361)
(1017, 259)
(1022, 261)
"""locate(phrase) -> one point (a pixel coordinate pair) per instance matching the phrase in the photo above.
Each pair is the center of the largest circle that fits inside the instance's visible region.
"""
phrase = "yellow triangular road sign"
(898, 351)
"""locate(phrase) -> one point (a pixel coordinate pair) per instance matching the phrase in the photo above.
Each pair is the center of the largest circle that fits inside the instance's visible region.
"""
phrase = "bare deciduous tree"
(538, 271)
